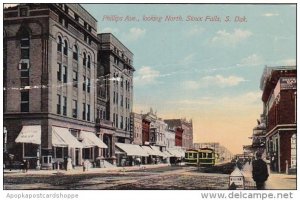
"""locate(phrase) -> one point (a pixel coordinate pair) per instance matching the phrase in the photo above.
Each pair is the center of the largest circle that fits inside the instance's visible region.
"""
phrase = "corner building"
(49, 78)
(279, 86)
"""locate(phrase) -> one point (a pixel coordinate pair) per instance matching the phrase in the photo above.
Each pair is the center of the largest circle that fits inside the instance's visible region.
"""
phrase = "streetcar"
(203, 157)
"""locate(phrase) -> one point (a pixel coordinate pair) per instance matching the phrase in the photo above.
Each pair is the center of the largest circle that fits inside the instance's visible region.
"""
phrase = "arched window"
(59, 44)
(84, 59)
(75, 52)
(66, 48)
(89, 62)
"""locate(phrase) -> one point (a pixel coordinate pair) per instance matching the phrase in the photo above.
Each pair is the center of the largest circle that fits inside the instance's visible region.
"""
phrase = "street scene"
(149, 97)
(161, 177)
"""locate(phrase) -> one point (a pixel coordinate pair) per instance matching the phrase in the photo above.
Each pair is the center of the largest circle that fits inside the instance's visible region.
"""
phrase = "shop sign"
(288, 83)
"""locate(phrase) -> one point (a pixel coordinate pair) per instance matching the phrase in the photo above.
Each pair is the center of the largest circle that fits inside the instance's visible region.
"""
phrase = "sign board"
(288, 83)
(238, 182)
(237, 178)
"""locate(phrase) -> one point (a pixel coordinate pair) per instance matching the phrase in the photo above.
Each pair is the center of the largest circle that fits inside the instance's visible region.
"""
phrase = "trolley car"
(204, 157)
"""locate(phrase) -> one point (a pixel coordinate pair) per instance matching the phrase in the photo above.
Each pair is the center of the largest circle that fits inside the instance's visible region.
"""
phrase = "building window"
(75, 79)
(121, 100)
(75, 53)
(66, 48)
(65, 106)
(117, 120)
(24, 74)
(121, 122)
(58, 106)
(25, 101)
(59, 44)
(88, 85)
(74, 108)
(114, 119)
(125, 124)
(59, 74)
(117, 98)
(65, 75)
(89, 62)
(84, 59)
(104, 115)
(83, 84)
(88, 112)
(76, 17)
(23, 12)
(83, 111)
(25, 44)
(122, 82)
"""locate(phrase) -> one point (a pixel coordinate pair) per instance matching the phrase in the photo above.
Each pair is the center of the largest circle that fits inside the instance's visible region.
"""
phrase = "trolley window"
(195, 155)
(209, 155)
(200, 155)
(186, 155)
(204, 155)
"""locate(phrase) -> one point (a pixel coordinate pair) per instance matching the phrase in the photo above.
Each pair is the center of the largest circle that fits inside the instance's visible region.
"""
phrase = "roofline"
(117, 40)
(88, 12)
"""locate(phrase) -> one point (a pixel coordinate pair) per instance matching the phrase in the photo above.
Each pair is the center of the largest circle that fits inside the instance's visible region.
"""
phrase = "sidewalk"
(79, 170)
(275, 181)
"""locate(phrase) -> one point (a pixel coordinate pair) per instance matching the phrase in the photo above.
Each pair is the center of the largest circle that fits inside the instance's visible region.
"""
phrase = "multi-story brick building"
(279, 106)
(50, 96)
(116, 62)
(187, 132)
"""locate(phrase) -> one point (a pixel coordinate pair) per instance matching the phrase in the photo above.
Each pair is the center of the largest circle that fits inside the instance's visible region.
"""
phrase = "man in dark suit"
(259, 171)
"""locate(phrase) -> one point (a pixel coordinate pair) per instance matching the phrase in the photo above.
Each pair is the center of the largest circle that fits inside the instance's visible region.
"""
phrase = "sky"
(208, 71)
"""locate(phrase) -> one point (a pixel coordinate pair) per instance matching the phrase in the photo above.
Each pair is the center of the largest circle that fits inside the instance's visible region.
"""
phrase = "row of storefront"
(86, 146)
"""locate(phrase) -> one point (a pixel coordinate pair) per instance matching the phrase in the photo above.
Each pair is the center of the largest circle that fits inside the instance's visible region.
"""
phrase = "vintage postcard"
(149, 97)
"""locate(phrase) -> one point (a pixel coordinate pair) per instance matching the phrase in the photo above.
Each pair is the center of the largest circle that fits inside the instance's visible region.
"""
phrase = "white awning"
(167, 154)
(30, 134)
(132, 149)
(91, 140)
(61, 137)
(176, 152)
(150, 151)
(157, 151)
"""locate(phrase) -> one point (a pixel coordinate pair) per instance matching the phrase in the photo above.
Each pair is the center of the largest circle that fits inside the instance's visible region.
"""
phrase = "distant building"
(137, 128)
(186, 127)
(279, 86)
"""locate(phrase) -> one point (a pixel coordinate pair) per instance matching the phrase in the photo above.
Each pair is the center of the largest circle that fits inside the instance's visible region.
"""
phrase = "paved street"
(163, 178)
(160, 177)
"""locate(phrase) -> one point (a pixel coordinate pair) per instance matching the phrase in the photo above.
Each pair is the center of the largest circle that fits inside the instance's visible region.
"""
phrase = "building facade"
(279, 107)
(49, 78)
(137, 128)
(116, 62)
(183, 130)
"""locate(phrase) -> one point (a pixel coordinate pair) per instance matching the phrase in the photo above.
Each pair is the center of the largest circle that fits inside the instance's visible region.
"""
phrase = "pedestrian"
(259, 171)
(26, 165)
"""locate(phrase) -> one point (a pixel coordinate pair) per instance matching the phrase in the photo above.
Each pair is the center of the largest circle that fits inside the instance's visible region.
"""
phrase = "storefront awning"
(30, 134)
(167, 154)
(157, 151)
(150, 151)
(132, 149)
(61, 137)
(91, 140)
(176, 152)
